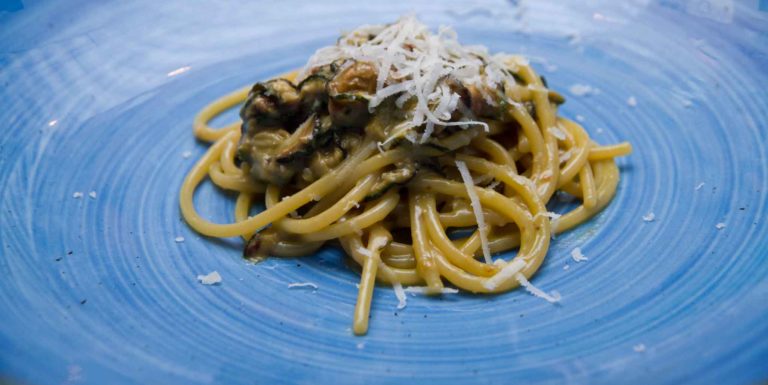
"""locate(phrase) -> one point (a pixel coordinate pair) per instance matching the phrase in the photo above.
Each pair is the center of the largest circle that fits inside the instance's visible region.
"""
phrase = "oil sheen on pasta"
(388, 142)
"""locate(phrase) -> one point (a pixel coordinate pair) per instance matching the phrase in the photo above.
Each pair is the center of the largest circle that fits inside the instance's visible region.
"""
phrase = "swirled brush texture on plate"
(98, 289)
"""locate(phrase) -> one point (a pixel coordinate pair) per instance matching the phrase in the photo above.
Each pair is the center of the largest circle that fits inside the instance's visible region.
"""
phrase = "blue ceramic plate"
(99, 97)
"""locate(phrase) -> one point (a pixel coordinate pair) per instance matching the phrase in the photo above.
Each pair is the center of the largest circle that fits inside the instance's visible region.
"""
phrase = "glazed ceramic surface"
(98, 98)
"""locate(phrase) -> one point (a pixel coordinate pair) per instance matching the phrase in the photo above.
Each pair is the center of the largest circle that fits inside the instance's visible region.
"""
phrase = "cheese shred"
(552, 297)
(402, 301)
(477, 209)
(508, 271)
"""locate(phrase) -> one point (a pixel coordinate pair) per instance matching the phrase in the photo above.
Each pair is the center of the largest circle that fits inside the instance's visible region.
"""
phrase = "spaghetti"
(390, 141)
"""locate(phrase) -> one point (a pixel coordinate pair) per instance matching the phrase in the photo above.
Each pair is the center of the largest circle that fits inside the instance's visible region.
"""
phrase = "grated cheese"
(302, 284)
(77, 195)
(631, 101)
(178, 71)
(554, 219)
(413, 290)
(582, 90)
(364, 251)
(92, 194)
(414, 63)
(552, 297)
(699, 186)
(577, 255)
(212, 278)
(378, 243)
(186, 154)
(557, 132)
(650, 217)
(580, 118)
(179, 239)
(720, 226)
(508, 271)
(402, 301)
(639, 348)
(566, 267)
(476, 208)
(351, 205)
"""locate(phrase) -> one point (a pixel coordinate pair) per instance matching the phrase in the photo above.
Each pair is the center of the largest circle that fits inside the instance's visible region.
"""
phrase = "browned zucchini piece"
(270, 104)
(349, 92)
